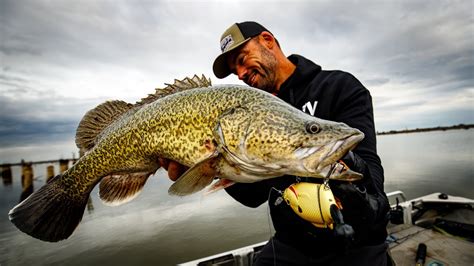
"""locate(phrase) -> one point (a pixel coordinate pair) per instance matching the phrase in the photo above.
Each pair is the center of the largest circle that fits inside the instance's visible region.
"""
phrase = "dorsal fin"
(179, 85)
(96, 120)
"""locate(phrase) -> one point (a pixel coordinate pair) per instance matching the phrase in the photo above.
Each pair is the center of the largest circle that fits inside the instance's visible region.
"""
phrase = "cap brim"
(220, 67)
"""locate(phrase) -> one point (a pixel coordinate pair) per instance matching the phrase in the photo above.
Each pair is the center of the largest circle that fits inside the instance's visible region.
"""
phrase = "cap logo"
(226, 43)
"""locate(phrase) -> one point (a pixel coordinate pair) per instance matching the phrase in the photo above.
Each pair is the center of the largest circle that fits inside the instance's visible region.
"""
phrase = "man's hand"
(354, 162)
(175, 169)
(358, 206)
(354, 198)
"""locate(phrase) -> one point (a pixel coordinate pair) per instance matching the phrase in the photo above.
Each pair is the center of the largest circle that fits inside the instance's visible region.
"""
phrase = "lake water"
(158, 229)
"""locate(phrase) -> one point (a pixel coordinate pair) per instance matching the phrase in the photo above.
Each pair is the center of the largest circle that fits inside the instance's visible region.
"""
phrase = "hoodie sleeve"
(250, 194)
(353, 106)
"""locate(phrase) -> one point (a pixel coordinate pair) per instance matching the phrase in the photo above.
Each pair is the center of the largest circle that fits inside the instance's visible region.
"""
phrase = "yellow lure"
(312, 202)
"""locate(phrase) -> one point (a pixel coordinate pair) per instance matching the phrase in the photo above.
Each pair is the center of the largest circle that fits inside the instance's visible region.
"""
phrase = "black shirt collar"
(305, 71)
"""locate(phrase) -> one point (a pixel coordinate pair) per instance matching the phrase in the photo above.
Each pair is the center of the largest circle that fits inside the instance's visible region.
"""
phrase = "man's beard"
(269, 66)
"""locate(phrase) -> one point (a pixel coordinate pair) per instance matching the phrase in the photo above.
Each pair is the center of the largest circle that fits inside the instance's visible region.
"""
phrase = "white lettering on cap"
(226, 43)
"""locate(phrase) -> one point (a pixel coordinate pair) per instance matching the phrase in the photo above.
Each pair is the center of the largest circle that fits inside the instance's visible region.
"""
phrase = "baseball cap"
(235, 36)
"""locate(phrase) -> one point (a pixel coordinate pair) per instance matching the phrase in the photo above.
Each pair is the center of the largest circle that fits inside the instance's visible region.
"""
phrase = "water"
(422, 163)
(157, 229)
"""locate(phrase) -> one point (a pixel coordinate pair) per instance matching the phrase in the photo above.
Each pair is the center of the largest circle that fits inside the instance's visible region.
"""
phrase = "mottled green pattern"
(233, 132)
(256, 126)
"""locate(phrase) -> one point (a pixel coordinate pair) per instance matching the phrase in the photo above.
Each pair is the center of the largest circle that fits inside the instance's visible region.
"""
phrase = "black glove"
(362, 210)
(356, 202)
(358, 207)
(354, 162)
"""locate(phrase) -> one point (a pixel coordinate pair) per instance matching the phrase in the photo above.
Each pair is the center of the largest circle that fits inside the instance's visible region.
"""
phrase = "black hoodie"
(336, 96)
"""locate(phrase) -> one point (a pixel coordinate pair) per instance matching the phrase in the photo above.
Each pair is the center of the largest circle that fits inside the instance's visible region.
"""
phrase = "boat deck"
(435, 220)
(441, 249)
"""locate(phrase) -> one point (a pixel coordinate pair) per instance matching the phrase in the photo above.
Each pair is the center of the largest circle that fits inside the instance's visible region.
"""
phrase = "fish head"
(278, 139)
(326, 143)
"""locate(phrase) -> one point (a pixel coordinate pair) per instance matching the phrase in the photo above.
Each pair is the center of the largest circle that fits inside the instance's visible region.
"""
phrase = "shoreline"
(427, 129)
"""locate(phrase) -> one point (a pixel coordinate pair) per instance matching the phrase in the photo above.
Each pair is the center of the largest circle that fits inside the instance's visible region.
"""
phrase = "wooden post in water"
(7, 175)
(26, 180)
(63, 165)
(49, 172)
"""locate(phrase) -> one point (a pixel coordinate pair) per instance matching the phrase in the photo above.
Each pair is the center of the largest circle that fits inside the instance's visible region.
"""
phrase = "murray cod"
(232, 132)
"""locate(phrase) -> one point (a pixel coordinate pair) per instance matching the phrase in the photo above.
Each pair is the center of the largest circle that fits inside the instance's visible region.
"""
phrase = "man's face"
(255, 65)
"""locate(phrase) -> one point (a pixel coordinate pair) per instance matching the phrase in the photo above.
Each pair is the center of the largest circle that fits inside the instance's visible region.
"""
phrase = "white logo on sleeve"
(310, 107)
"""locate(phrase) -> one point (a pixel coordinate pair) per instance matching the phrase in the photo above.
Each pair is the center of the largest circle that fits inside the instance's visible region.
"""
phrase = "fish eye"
(313, 127)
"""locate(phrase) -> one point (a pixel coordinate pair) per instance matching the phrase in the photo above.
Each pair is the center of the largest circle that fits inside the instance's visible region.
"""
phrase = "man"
(252, 53)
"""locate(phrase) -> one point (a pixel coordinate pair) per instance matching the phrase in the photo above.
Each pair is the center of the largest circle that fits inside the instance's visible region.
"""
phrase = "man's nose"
(241, 72)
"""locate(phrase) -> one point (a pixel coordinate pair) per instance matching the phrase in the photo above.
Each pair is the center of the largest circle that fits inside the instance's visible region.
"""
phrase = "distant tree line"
(439, 128)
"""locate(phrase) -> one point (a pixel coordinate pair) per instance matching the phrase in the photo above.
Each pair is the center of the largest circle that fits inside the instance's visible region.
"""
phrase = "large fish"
(232, 132)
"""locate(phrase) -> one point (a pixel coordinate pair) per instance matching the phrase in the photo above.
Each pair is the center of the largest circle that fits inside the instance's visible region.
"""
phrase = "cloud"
(60, 59)
(26, 122)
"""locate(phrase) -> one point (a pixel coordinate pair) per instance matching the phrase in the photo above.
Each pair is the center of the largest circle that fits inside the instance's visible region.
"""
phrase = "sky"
(58, 59)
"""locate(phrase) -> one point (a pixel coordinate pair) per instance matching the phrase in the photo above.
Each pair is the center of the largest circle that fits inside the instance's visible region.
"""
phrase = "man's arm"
(352, 105)
(250, 194)
(364, 202)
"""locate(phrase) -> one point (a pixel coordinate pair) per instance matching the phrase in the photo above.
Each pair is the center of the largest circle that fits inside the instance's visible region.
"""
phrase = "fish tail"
(49, 214)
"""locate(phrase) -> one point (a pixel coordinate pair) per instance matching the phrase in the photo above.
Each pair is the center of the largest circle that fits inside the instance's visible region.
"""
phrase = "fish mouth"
(316, 158)
(340, 171)
(339, 149)
(346, 144)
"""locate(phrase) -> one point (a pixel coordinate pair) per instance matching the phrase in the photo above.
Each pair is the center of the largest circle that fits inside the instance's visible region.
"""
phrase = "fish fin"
(117, 189)
(179, 85)
(96, 120)
(340, 171)
(220, 184)
(49, 214)
(196, 178)
(348, 176)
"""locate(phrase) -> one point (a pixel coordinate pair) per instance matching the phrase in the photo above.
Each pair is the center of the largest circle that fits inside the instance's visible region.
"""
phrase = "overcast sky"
(58, 59)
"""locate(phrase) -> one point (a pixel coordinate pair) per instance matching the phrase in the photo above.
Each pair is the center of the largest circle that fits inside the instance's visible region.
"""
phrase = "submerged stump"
(63, 165)
(49, 172)
(26, 180)
(7, 175)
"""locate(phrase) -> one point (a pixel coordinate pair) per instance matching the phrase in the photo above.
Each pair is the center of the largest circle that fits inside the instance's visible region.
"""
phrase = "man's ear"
(268, 39)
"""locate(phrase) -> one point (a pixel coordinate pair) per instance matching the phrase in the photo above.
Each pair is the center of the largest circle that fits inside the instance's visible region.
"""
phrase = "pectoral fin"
(118, 189)
(197, 177)
(220, 184)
